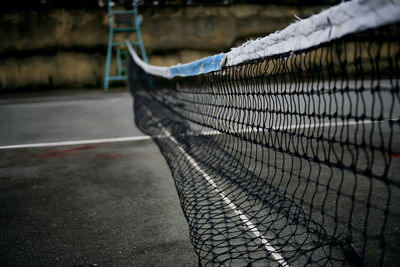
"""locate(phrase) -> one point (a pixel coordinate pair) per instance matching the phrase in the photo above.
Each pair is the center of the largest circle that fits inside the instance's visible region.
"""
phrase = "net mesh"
(291, 159)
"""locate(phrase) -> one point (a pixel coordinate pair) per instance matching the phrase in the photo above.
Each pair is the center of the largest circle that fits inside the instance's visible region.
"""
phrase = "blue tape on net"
(204, 65)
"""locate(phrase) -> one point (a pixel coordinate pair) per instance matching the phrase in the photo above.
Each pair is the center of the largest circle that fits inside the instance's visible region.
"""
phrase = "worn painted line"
(210, 132)
(79, 142)
(234, 208)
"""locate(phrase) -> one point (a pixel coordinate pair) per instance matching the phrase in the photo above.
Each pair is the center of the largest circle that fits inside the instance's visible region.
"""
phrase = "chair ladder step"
(127, 29)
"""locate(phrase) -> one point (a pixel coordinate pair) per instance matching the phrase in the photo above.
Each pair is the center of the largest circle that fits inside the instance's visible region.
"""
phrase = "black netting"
(291, 159)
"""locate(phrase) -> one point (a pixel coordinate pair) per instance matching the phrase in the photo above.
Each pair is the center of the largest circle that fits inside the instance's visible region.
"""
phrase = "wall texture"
(66, 48)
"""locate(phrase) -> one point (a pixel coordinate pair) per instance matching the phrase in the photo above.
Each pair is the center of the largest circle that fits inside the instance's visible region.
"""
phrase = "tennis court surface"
(103, 203)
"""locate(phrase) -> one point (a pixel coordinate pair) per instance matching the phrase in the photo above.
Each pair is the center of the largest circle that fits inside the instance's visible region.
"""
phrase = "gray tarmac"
(108, 204)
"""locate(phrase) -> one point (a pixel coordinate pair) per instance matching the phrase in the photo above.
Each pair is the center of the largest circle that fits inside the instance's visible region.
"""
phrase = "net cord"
(333, 23)
(330, 24)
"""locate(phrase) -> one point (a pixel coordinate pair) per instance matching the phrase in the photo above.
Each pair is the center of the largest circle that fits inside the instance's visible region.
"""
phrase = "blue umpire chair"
(127, 22)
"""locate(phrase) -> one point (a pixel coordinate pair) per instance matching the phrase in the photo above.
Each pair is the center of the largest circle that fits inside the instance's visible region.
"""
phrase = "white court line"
(209, 132)
(291, 127)
(300, 126)
(237, 211)
(80, 142)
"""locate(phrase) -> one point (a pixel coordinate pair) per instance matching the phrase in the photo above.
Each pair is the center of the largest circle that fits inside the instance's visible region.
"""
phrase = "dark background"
(98, 4)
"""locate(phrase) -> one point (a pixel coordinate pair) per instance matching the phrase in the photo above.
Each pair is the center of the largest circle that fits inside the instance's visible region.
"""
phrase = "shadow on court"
(100, 204)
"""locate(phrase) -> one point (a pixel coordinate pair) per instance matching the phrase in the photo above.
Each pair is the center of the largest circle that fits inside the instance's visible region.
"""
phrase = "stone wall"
(67, 48)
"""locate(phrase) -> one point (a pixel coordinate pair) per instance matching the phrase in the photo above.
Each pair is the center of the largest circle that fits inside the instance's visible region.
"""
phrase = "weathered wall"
(67, 48)
(70, 69)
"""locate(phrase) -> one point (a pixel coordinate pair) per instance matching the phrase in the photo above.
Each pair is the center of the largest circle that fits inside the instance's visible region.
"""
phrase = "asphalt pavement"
(99, 204)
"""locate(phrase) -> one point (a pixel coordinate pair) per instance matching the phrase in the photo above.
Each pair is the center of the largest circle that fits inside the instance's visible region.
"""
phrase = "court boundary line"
(253, 228)
(209, 132)
(79, 142)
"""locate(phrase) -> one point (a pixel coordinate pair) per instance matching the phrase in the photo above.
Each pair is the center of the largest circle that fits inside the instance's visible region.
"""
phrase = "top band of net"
(284, 151)
(331, 24)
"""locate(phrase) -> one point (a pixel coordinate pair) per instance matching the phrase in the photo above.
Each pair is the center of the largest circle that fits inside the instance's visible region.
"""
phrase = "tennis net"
(285, 150)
